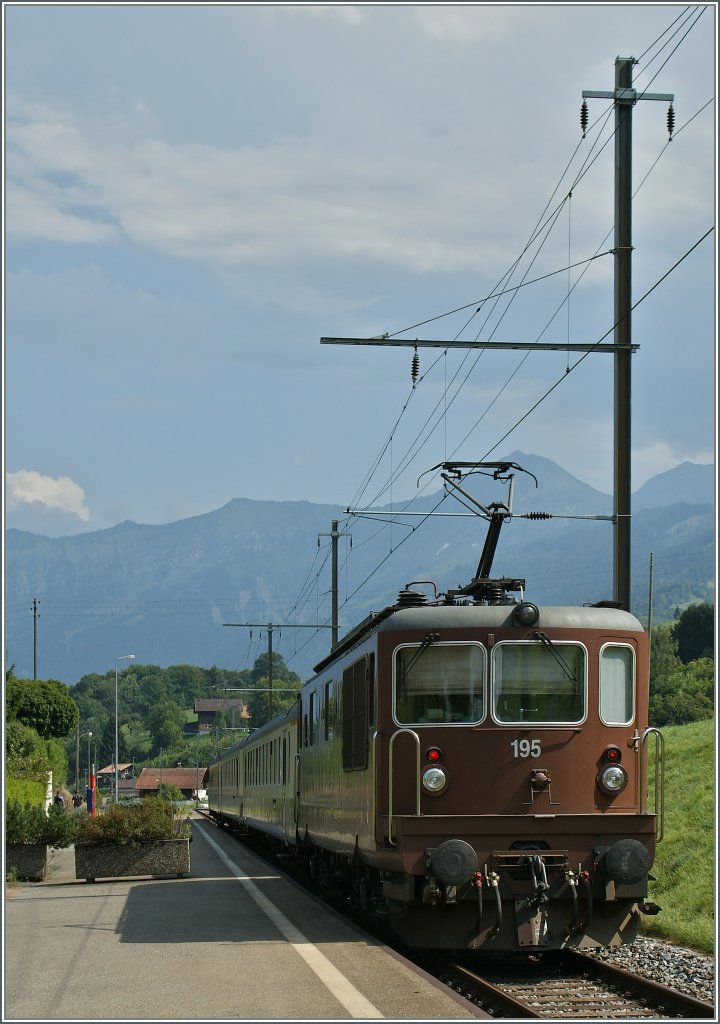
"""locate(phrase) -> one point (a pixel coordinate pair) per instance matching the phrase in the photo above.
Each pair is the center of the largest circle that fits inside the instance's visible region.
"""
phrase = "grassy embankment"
(685, 861)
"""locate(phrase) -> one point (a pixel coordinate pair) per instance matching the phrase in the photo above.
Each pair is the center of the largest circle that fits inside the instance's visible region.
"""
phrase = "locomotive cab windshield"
(539, 683)
(442, 683)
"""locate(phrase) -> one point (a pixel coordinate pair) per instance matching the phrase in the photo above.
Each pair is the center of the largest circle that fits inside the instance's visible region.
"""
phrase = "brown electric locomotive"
(470, 765)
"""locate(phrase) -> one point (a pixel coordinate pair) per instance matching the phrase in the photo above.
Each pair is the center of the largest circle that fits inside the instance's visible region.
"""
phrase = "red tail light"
(434, 754)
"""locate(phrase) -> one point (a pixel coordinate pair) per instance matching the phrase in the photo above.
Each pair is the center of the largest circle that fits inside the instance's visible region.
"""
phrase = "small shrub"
(167, 791)
(128, 823)
(27, 823)
(26, 791)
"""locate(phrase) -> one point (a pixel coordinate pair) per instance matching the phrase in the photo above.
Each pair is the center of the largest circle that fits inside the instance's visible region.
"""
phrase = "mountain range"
(166, 592)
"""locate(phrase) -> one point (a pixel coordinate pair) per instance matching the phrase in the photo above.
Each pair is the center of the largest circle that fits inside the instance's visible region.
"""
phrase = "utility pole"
(77, 754)
(650, 596)
(334, 535)
(625, 98)
(35, 635)
(269, 626)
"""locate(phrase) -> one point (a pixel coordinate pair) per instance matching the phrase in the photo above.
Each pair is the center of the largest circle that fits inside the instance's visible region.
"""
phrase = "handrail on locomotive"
(639, 743)
(391, 776)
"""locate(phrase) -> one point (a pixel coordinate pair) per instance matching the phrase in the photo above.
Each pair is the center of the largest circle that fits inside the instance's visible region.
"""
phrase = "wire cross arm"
(473, 515)
(287, 625)
(500, 346)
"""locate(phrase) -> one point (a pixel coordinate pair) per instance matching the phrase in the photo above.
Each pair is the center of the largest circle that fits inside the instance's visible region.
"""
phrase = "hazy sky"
(194, 195)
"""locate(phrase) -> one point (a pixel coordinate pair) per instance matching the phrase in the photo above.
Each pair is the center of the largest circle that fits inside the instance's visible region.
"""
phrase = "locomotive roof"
(458, 616)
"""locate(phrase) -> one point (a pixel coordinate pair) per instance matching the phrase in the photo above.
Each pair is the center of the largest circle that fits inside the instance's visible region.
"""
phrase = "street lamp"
(123, 657)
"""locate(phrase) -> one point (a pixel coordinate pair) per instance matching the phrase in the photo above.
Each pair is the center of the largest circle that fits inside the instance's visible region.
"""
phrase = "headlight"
(613, 779)
(434, 779)
(526, 614)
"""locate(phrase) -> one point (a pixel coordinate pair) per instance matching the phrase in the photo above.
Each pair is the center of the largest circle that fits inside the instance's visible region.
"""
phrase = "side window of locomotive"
(355, 717)
(539, 683)
(371, 689)
(617, 684)
(442, 683)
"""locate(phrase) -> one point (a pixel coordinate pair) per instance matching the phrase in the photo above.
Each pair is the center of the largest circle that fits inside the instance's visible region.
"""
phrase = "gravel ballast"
(682, 969)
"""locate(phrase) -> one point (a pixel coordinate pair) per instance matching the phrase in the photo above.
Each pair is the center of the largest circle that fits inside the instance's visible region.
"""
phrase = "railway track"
(562, 986)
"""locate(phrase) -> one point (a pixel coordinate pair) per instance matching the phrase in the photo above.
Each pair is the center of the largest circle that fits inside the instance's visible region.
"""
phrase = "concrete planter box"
(155, 857)
(30, 860)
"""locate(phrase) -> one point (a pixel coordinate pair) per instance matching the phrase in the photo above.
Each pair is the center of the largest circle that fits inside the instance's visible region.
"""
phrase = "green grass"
(685, 860)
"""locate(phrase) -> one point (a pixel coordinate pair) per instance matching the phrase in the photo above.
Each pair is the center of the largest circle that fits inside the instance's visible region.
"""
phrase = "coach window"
(617, 684)
(311, 719)
(326, 711)
(439, 683)
(541, 682)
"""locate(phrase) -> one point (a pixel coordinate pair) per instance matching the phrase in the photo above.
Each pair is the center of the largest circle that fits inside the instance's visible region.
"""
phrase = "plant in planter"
(149, 838)
(30, 832)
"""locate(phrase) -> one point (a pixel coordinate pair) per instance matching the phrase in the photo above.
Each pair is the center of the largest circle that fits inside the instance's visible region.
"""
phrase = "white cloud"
(349, 13)
(475, 23)
(233, 207)
(34, 216)
(661, 456)
(28, 486)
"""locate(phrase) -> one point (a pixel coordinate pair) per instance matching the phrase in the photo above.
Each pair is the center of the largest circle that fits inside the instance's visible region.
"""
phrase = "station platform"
(230, 941)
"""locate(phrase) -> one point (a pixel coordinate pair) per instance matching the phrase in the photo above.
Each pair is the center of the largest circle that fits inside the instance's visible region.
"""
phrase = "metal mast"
(625, 98)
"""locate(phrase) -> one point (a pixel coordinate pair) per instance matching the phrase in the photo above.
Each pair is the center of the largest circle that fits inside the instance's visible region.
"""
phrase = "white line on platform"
(344, 991)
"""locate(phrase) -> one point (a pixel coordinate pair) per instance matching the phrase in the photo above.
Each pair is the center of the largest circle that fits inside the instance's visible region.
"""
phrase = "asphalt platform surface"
(230, 941)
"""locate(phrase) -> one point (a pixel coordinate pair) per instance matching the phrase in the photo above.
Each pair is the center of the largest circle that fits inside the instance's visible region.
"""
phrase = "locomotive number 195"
(526, 748)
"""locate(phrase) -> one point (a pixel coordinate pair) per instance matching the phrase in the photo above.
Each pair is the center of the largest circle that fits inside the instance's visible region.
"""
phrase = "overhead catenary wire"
(585, 354)
(419, 438)
(568, 369)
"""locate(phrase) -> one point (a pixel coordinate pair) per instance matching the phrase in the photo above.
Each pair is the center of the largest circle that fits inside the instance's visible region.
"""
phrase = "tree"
(280, 670)
(165, 723)
(663, 655)
(695, 632)
(685, 695)
(106, 744)
(44, 705)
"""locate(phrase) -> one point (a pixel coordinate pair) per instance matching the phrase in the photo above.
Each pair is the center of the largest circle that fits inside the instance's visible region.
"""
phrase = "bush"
(128, 823)
(167, 791)
(25, 752)
(25, 791)
(27, 824)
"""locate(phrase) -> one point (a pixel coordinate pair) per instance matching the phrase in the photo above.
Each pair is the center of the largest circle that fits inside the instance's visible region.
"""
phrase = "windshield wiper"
(547, 642)
(428, 639)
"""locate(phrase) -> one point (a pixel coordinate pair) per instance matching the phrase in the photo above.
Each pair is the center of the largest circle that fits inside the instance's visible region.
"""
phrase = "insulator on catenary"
(537, 515)
(584, 117)
(671, 120)
(415, 370)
